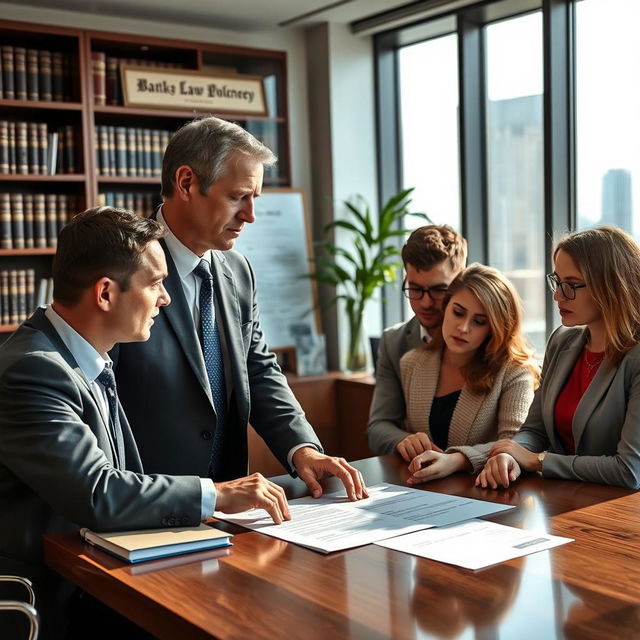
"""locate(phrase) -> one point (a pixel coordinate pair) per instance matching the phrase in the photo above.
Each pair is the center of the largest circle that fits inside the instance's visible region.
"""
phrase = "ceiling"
(235, 15)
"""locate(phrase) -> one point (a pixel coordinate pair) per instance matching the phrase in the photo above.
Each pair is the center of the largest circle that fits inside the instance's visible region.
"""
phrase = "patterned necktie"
(212, 352)
(108, 381)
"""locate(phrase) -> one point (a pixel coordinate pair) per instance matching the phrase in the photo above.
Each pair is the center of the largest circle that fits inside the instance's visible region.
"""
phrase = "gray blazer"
(164, 390)
(56, 461)
(606, 425)
(386, 417)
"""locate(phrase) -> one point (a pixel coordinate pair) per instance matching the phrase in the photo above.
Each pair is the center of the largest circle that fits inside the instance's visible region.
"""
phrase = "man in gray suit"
(206, 373)
(433, 256)
(67, 455)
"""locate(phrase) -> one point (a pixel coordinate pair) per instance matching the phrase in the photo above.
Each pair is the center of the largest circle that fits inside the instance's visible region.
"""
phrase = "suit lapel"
(558, 373)
(590, 400)
(423, 387)
(464, 415)
(131, 453)
(227, 297)
(181, 321)
(40, 322)
(412, 334)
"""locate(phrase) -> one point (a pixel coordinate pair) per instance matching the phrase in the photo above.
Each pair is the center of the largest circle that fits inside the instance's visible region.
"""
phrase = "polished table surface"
(267, 588)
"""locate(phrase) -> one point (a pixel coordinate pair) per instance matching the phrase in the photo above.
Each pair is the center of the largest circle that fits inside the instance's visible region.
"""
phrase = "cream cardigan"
(478, 419)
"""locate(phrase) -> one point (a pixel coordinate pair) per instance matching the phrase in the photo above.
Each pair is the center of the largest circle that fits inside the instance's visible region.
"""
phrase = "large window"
(428, 75)
(608, 113)
(515, 177)
(517, 87)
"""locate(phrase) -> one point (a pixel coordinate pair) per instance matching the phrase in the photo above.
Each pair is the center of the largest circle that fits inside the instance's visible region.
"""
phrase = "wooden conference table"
(266, 588)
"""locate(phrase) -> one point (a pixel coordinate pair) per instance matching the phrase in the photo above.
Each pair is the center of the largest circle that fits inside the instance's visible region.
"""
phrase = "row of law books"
(130, 151)
(141, 203)
(33, 220)
(107, 87)
(34, 74)
(34, 148)
(19, 296)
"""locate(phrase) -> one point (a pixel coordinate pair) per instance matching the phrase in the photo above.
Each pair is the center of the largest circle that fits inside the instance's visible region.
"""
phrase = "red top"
(584, 371)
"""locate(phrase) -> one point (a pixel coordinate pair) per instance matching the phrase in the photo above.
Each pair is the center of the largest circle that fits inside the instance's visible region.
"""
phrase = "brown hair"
(205, 145)
(100, 242)
(505, 342)
(429, 245)
(609, 260)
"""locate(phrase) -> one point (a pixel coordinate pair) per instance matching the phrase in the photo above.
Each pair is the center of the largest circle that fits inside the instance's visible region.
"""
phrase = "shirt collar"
(425, 336)
(91, 363)
(184, 259)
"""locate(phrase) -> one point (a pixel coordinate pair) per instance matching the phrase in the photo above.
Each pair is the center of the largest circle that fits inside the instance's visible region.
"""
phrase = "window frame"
(558, 20)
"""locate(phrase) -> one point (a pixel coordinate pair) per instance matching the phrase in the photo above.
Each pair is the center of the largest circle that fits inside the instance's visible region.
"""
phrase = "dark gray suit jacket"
(606, 424)
(163, 383)
(56, 460)
(388, 411)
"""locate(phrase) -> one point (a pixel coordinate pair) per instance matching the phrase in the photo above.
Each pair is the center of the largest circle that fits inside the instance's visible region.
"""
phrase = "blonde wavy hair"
(505, 342)
(609, 260)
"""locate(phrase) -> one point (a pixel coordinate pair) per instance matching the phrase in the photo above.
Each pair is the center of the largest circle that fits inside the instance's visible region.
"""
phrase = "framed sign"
(185, 89)
(278, 246)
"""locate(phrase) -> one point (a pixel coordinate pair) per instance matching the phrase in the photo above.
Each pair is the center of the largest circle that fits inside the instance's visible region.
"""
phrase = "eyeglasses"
(417, 293)
(568, 289)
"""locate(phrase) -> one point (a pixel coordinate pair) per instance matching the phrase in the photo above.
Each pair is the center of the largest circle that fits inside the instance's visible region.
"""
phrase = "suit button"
(206, 435)
(163, 522)
(171, 522)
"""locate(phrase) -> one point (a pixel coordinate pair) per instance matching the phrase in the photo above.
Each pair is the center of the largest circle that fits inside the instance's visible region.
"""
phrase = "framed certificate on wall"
(278, 246)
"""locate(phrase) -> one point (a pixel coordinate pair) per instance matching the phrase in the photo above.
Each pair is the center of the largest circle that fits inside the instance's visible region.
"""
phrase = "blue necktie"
(214, 364)
(108, 381)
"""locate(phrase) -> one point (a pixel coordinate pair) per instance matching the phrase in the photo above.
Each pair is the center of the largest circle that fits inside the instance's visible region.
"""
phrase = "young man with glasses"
(432, 256)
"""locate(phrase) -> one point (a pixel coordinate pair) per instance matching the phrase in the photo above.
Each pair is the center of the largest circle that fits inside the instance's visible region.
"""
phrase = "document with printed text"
(332, 523)
(475, 544)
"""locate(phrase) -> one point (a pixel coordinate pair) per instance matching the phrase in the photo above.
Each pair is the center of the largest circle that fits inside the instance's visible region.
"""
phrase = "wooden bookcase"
(84, 115)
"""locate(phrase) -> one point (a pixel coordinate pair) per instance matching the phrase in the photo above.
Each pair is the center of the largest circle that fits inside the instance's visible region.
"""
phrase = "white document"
(332, 523)
(425, 507)
(474, 544)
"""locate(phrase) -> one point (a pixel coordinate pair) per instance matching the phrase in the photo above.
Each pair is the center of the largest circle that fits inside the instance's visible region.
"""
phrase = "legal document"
(475, 544)
(332, 523)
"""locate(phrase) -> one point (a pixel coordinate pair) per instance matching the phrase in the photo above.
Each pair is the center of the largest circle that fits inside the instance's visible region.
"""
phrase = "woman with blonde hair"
(474, 382)
(584, 423)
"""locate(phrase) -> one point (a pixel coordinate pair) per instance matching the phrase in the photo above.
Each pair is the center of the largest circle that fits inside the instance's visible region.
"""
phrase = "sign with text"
(184, 89)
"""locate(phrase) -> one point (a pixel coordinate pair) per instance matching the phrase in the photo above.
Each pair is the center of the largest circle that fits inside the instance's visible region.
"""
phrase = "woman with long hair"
(474, 382)
(584, 423)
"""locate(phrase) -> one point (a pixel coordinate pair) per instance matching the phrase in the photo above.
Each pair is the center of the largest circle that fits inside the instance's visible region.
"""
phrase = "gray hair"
(205, 145)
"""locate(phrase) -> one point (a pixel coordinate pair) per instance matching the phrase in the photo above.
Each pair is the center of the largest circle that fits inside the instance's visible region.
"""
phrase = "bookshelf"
(77, 111)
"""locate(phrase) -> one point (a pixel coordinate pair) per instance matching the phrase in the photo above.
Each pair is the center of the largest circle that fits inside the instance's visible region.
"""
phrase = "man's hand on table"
(312, 465)
(252, 492)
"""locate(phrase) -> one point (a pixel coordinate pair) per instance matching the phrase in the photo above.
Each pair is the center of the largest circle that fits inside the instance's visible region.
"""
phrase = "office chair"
(22, 607)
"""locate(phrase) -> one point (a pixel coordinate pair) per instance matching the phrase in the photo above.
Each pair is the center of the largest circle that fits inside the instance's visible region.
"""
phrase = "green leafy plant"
(359, 268)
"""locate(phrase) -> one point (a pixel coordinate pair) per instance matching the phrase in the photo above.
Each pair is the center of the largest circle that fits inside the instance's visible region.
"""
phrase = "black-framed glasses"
(417, 293)
(568, 289)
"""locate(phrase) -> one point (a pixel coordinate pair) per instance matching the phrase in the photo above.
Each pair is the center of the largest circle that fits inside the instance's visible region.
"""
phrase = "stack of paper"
(332, 523)
(423, 523)
(474, 544)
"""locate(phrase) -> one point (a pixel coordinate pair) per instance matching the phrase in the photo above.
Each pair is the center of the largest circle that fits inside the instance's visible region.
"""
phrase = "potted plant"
(359, 267)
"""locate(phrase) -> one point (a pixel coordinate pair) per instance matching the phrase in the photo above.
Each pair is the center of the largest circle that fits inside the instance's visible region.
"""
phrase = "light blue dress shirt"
(91, 364)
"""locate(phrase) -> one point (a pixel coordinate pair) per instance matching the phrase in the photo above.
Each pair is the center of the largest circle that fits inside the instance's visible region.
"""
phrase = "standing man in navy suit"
(206, 373)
